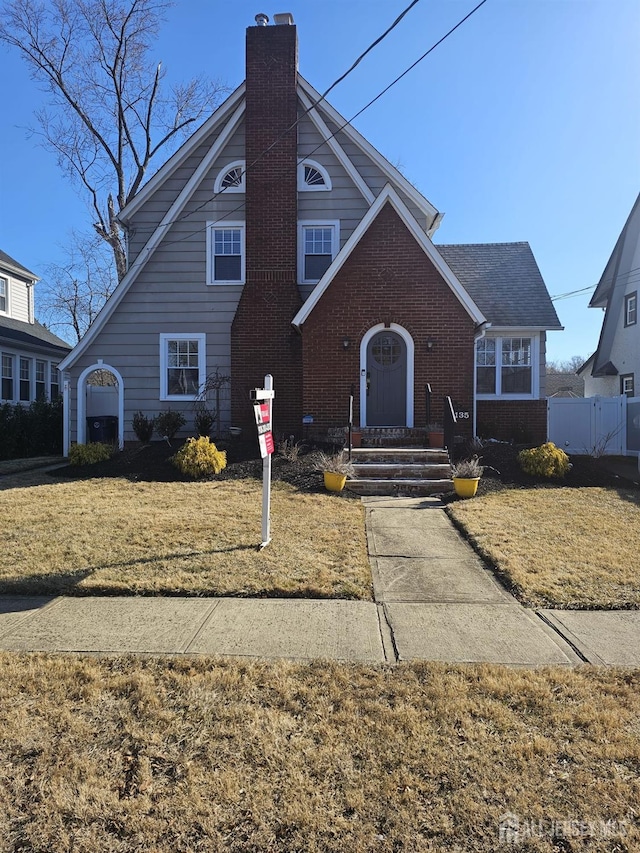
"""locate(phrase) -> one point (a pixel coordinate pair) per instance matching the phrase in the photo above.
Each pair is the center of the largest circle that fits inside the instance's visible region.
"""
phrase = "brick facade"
(387, 279)
(522, 421)
(262, 338)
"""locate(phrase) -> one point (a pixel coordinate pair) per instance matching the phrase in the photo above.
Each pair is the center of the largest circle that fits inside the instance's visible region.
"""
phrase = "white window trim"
(217, 185)
(535, 365)
(307, 188)
(334, 224)
(14, 368)
(7, 310)
(630, 306)
(165, 337)
(213, 226)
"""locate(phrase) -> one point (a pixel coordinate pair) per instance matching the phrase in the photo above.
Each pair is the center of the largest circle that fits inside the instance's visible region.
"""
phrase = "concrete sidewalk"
(434, 600)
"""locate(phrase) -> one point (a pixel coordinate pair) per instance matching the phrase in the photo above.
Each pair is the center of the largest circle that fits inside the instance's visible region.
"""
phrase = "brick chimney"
(262, 338)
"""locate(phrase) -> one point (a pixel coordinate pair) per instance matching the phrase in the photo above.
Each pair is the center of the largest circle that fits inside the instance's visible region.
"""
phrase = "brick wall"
(387, 279)
(262, 338)
(522, 421)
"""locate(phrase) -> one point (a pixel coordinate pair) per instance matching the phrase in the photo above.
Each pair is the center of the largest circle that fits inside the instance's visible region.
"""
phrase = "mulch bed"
(152, 463)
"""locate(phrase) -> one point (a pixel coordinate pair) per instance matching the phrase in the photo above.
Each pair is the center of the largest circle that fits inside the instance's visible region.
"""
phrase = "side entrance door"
(386, 380)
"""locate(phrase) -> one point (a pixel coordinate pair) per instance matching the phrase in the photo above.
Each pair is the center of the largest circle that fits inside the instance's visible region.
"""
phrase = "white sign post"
(262, 399)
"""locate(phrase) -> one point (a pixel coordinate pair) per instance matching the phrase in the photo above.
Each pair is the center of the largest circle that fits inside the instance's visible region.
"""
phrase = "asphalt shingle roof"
(11, 264)
(504, 281)
(33, 335)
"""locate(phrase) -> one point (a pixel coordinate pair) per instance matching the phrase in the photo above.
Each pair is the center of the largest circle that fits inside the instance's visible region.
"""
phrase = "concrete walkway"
(434, 600)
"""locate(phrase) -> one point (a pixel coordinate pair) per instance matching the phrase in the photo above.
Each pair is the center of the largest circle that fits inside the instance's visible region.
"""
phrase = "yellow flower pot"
(334, 482)
(466, 487)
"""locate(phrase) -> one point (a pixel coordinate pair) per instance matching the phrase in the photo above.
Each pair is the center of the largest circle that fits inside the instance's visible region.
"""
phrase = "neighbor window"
(318, 247)
(627, 384)
(631, 309)
(55, 383)
(7, 377)
(4, 296)
(182, 366)
(25, 380)
(225, 254)
(41, 380)
(504, 366)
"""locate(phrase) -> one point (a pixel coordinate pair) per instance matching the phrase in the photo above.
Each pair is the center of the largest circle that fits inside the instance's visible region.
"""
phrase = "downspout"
(483, 330)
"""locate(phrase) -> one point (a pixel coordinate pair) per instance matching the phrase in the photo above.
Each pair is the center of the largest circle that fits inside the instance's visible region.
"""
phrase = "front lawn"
(559, 547)
(182, 755)
(117, 536)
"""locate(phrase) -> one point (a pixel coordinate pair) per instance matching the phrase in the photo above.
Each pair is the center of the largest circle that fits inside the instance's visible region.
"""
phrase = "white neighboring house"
(614, 368)
(30, 352)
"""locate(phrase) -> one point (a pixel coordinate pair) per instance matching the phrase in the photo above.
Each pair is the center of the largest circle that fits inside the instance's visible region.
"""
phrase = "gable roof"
(389, 196)
(503, 279)
(32, 335)
(631, 231)
(564, 385)
(8, 263)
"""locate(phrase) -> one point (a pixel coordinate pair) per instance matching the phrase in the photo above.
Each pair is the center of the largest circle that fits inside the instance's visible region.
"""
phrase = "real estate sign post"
(262, 399)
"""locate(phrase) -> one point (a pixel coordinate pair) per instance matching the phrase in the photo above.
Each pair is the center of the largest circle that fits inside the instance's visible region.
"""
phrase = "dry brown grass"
(100, 756)
(560, 547)
(115, 536)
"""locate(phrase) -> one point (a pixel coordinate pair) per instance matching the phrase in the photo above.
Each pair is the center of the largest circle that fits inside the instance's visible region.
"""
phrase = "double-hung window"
(41, 380)
(4, 296)
(225, 253)
(631, 309)
(182, 366)
(55, 383)
(7, 376)
(318, 245)
(25, 380)
(504, 366)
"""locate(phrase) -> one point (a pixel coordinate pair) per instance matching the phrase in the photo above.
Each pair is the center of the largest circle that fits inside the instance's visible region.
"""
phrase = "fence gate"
(593, 425)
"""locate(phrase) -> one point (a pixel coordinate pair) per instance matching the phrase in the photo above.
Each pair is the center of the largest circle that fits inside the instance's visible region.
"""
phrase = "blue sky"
(523, 125)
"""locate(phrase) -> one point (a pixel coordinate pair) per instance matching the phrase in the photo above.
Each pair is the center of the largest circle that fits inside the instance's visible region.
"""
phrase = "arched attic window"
(312, 177)
(231, 178)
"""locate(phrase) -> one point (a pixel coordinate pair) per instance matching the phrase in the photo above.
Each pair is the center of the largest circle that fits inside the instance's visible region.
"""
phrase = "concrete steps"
(400, 471)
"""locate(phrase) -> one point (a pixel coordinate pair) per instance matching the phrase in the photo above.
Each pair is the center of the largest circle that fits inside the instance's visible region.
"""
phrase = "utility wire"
(629, 277)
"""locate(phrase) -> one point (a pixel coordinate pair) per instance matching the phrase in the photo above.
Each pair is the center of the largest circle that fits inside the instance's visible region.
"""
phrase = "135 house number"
(462, 415)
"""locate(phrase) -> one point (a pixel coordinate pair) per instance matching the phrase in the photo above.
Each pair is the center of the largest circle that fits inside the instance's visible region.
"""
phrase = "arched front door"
(386, 380)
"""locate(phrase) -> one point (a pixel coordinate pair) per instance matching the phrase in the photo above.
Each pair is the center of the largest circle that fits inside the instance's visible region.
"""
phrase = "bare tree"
(572, 365)
(71, 294)
(109, 113)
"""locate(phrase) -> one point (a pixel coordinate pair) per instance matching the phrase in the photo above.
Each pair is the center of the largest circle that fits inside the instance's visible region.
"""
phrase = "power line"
(629, 277)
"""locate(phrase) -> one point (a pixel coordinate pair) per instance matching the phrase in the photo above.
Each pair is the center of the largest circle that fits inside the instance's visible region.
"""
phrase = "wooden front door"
(386, 380)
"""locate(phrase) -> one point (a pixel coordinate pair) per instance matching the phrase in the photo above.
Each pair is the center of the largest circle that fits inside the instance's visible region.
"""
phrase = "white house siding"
(18, 299)
(625, 350)
(601, 386)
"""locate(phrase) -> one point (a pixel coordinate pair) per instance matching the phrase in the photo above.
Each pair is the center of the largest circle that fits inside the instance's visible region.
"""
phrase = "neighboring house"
(278, 240)
(614, 368)
(30, 352)
(564, 385)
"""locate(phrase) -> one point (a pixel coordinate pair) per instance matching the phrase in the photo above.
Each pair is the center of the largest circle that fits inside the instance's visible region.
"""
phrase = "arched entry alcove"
(95, 402)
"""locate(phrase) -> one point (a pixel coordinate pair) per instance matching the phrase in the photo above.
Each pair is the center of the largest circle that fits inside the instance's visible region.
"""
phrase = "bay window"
(504, 366)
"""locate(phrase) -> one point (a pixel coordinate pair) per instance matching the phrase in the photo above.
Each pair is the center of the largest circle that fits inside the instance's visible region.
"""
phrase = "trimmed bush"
(168, 423)
(143, 427)
(199, 457)
(89, 454)
(34, 430)
(204, 421)
(544, 461)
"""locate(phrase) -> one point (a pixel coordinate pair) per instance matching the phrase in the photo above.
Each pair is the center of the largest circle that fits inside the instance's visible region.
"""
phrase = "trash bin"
(103, 428)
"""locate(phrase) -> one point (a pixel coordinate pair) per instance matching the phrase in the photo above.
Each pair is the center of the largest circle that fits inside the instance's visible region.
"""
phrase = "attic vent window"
(231, 178)
(313, 177)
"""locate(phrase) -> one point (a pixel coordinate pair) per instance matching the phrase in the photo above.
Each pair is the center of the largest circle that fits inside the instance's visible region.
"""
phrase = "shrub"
(34, 430)
(168, 423)
(468, 469)
(143, 427)
(334, 464)
(199, 457)
(290, 449)
(204, 421)
(544, 461)
(89, 454)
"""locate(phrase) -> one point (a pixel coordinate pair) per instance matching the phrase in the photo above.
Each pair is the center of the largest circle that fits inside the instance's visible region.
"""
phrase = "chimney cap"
(283, 18)
(261, 19)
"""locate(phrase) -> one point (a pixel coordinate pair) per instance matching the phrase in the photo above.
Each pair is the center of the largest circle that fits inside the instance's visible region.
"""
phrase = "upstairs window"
(312, 177)
(231, 178)
(504, 367)
(318, 248)
(631, 309)
(225, 254)
(4, 296)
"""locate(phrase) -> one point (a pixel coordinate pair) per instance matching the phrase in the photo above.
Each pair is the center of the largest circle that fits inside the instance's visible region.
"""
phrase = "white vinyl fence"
(595, 425)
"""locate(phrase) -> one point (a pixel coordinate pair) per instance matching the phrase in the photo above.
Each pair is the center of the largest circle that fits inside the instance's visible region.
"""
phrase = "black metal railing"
(449, 424)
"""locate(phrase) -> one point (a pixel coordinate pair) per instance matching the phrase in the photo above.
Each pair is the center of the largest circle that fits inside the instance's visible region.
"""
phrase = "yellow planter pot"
(466, 487)
(334, 482)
